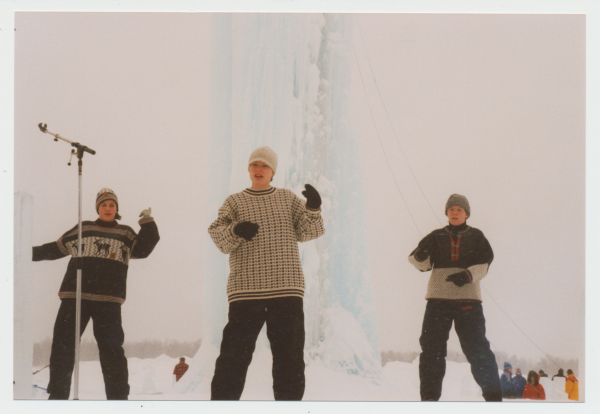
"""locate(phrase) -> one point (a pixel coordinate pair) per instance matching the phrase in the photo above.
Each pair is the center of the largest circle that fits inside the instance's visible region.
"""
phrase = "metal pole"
(78, 295)
(44, 129)
(79, 259)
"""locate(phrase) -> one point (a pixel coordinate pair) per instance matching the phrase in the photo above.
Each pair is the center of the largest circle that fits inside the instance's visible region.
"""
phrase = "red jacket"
(534, 392)
(179, 370)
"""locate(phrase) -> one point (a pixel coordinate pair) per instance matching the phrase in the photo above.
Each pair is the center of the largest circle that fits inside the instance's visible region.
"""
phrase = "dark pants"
(285, 330)
(470, 328)
(109, 336)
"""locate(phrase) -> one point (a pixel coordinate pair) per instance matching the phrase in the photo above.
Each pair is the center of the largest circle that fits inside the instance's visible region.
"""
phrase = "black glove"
(246, 229)
(461, 278)
(424, 249)
(313, 199)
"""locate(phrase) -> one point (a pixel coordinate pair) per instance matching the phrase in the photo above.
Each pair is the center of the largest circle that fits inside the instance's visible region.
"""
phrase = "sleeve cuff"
(145, 220)
(233, 235)
(417, 257)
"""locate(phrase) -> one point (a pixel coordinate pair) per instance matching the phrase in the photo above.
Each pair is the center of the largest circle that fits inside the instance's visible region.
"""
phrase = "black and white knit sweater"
(454, 248)
(269, 265)
(106, 250)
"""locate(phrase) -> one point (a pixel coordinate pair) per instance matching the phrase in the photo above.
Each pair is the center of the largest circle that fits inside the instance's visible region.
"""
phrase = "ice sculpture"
(283, 80)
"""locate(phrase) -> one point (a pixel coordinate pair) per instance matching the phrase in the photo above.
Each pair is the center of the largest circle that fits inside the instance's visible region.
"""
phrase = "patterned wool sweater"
(455, 248)
(106, 250)
(269, 265)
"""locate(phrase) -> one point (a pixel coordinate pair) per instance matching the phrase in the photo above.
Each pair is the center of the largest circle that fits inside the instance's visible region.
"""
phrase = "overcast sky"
(489, 106)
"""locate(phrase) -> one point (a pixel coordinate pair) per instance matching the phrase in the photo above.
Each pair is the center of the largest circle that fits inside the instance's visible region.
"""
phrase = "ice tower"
(283, 80)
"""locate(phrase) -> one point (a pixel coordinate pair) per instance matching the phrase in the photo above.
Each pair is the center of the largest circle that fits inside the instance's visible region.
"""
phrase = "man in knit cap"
(460, 256)
(260, 228)
(507, 382)
(107, 247)
(519, 382)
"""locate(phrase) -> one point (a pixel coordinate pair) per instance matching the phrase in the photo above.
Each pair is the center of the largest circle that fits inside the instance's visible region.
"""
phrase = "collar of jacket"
(457, 229)
(259, 193)
(103, 223)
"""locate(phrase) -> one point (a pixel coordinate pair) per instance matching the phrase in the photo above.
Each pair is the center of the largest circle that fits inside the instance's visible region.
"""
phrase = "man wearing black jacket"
(460, 256)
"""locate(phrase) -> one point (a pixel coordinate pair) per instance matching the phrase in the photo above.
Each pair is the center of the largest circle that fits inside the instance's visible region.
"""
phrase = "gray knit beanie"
(266, 155)
(460, 201)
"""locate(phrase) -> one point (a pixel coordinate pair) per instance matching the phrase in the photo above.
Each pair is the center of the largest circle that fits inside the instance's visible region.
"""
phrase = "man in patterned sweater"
(459, 256)
(107, 247)
(260, 228)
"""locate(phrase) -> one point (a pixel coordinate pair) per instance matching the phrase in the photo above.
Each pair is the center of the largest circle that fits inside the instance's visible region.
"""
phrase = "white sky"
(495, 100)
(477, 101)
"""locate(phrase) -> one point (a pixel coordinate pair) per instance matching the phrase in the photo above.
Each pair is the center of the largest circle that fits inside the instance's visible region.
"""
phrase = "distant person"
(180, 369)
(555, 387)
(107, 247)
(260, 228)
(533, 389)
(561, 374)
(506, 381)
(572, 386)
(460, 256)
(543, 374)
(519, 382)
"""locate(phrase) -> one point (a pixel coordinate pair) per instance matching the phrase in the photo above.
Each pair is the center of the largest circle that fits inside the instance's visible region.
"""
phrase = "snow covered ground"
(152, 379)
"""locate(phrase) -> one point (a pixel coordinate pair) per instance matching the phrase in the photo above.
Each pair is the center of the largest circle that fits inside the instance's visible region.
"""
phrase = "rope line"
(381, 143)
(414, 176)
(391, 124)
(514, 323)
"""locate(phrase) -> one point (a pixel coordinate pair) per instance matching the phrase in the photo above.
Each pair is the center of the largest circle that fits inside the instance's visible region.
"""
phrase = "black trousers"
(285, 329)
(109, 335)
(470, 328)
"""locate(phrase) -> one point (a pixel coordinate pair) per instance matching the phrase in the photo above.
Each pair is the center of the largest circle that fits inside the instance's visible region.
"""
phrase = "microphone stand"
(79, 150)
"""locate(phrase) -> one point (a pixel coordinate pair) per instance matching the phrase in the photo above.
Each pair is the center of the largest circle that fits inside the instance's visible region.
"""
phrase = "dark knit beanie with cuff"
(107, 194)
(459, 201)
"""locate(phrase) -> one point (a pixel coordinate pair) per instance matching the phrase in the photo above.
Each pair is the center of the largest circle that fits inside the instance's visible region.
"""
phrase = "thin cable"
(390, 122)
(514, 323)
(380, 143)
(412, 172)
(502, 354)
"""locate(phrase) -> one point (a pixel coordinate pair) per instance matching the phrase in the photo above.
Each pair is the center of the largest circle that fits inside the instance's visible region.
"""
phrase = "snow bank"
(152, 379)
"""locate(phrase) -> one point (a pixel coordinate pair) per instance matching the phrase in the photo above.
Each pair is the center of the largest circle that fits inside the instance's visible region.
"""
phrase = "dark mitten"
(424, 249)
(313, 199)
(461, 278)
(246, 229)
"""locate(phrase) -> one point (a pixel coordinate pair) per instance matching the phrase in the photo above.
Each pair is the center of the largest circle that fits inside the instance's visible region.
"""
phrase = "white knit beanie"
(266, 155)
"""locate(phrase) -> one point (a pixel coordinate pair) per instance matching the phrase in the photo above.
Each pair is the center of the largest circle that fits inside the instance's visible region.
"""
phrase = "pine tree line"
(391, 356)
(550, 364)
(154, 348)
(410, 356)
(149, 348)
